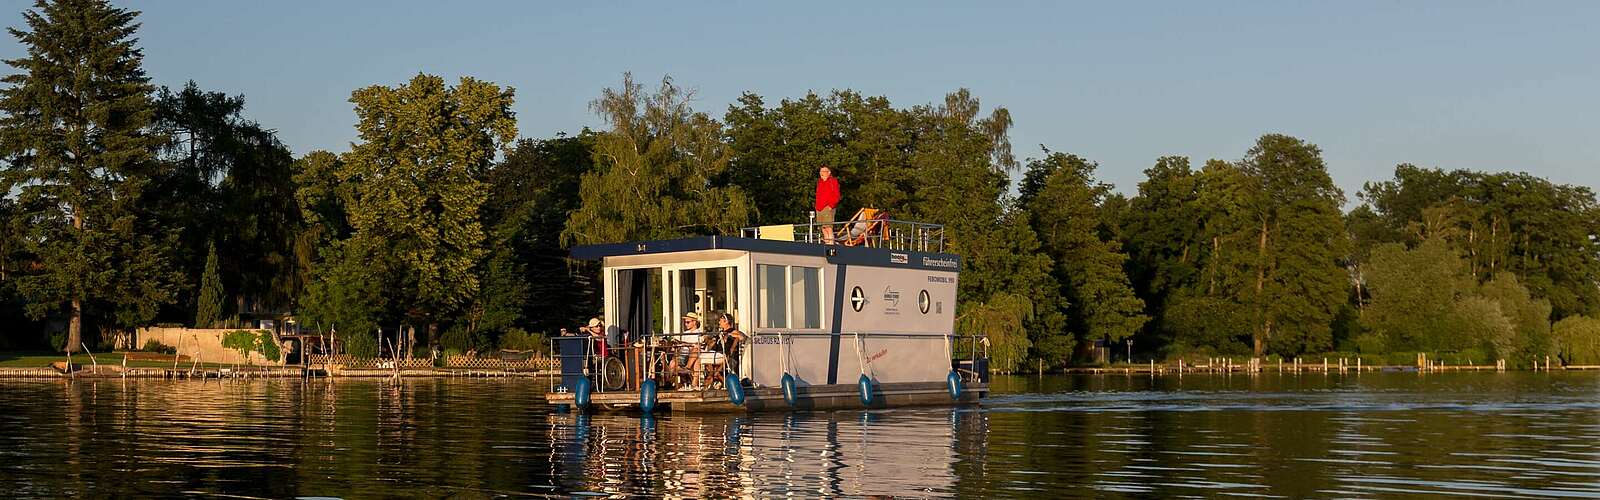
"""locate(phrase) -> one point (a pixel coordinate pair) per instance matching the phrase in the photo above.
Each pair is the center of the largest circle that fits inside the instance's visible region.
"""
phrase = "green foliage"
(1372, 343)
(1161, 231)
(1529, 319)
(227, 184)
(417, 177)
(248, 341)
(346, 294)
(209, 309)
(76, 145)
(517, 339)
(1060, 193)
(268, 348)
(655, 171)
(457, 337)
(528, 280)
(360, 344)
(1002, 320)
(503, 295)
(777, 152)
(1577, 340)
(154, 345)
(1275, 238)
(1543, 233)
(58, 341)
(1414, 294)
(1207, 321)
(1481, 320)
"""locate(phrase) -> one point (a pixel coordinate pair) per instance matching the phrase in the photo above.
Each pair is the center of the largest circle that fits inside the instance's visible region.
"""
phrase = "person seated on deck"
(686, 355)
(867, 227)
(719, 349)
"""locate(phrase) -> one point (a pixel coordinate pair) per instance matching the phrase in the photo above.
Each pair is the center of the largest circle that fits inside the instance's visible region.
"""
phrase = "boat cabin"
(882, 305)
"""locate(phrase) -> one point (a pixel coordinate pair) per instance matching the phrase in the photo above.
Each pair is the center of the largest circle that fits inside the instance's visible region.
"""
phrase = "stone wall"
(204, 344)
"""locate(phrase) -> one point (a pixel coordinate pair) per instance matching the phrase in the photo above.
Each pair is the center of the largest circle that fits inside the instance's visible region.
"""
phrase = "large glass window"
(790, 297)
(707, 292)
(805, 287)
(770, 286)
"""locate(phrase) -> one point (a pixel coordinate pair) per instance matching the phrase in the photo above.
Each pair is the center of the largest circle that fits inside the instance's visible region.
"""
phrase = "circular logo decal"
(858, 299)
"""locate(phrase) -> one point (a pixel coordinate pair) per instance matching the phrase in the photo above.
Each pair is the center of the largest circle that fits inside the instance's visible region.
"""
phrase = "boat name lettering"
(877, 355)
(941, 279)
(932, 262)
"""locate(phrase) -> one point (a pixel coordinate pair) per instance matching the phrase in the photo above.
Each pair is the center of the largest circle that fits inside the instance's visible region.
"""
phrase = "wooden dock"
(1321, 365)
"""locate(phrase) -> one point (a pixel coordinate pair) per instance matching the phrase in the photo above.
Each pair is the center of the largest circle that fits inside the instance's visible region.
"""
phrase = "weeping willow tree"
(655, 171)
(1003, 320)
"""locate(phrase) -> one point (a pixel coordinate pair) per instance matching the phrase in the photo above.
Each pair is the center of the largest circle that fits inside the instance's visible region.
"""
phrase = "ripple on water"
(1507, 435)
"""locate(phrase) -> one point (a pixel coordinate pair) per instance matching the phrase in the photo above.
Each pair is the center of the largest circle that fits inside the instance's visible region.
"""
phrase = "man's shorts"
(825, 216)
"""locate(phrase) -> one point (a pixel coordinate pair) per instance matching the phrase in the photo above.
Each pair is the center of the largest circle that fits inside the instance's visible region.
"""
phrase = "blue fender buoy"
(953, 382)
(647, 396)
(580, 394)
(791, 393)
(735, 390)
(866, 389)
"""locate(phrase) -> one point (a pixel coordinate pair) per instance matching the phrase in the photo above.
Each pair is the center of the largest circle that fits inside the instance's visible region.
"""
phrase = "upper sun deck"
(870, 228)
(877, 242)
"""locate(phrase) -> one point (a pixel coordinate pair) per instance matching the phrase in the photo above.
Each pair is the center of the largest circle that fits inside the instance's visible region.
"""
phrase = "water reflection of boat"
(866, 324)
(898, 454)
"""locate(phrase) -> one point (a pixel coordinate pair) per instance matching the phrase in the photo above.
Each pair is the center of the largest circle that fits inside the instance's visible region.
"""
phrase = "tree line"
(129, 205)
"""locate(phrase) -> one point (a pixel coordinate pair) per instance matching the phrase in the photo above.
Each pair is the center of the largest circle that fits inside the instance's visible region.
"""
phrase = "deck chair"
(869, 227)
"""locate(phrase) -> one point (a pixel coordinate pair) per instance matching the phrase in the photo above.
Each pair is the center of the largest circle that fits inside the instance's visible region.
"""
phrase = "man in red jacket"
(827, 201)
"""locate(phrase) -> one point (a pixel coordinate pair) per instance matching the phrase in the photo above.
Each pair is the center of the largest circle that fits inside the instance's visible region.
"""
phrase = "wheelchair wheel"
(616, 374)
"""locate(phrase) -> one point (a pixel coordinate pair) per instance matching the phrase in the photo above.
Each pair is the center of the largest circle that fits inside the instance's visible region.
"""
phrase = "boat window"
(708, 292)
(805, 287)
(771, 290)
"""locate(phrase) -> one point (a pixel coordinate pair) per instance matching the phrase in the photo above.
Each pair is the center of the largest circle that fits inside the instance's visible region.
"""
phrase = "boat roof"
(836, 254)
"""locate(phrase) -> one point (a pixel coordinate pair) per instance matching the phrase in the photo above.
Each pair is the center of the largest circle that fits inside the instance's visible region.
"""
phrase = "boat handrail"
(592, 361)
(868, 334)
(895, 234)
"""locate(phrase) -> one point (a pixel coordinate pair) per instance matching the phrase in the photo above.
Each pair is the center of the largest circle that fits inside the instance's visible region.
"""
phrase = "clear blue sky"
(1454, 84)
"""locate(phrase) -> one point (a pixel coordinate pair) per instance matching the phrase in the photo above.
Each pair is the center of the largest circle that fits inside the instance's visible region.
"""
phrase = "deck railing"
(890, 234)
(624, 368)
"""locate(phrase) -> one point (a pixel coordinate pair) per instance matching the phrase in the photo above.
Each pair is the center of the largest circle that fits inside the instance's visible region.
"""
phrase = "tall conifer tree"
(78, 156)
(209, 309)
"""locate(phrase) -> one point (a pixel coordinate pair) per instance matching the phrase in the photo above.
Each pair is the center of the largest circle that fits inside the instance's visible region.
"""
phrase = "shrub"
(360, 346)
(445, 356)
(518, 339)
(1578, 340)
(154, 345)
(1371, 343)
(267, 347)
(456, 338)
(247, 341)
(58, 341)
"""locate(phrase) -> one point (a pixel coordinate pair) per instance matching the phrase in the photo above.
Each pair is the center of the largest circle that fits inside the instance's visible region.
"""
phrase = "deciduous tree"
(418, 174)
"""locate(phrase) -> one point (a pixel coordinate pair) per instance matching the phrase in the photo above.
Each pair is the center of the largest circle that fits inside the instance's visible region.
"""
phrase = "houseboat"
(864, 319)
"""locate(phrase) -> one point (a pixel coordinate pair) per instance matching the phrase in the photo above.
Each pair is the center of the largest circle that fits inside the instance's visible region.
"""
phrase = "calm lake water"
(1368, 435)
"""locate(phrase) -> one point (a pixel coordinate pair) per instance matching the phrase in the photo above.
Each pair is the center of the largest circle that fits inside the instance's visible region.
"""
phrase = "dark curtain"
(634, 312)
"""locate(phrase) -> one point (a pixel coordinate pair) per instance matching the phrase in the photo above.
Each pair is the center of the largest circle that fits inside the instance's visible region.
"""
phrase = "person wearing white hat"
(597, 330)
(686, 359)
